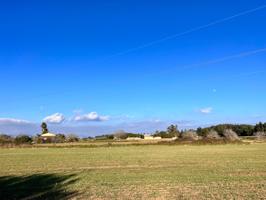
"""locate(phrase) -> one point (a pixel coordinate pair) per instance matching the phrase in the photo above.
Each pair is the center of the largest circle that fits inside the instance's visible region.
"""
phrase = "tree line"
(212, 132)
(239, 129)
(26, 139)
(172, 131)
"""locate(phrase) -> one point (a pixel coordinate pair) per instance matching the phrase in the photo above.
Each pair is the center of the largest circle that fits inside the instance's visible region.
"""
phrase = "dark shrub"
(202, 131)
(6, 139)
(164, 134)
(135, 135)
(23, 139)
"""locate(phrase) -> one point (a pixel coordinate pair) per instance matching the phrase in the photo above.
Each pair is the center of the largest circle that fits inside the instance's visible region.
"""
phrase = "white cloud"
(56, 118)
(92, 116)
(206, 110)
(13, 121)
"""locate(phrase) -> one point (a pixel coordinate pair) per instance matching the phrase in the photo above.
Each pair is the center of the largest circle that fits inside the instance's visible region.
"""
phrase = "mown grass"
(231, 171)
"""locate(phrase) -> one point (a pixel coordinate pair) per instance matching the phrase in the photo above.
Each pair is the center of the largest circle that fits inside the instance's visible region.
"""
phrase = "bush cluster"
(6, 139)
(212, 135)
(230, 135)
(260, 135)
(190, 135)
(239, 129)
(23, 139)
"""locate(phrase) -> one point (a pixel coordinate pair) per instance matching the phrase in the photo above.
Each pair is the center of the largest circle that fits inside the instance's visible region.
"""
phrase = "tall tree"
(173, 130)
(259, 127)
(44, 128)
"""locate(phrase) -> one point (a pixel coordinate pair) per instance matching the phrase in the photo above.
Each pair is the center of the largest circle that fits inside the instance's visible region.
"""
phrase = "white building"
(148, 137)
(134, 138)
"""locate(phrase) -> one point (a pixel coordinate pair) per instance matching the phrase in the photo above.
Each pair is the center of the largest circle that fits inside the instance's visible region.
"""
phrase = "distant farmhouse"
(146, 137)
(48, 137)
(150, 137)
(134, 138)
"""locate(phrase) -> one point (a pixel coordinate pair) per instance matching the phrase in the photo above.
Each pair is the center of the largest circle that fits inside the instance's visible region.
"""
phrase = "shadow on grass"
(39, 186)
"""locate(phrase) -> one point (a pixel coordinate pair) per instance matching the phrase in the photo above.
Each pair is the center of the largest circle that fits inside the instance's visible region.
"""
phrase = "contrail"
(215, 61)
(235, 76)
(183, 68)
(240, 55)
(188, 31)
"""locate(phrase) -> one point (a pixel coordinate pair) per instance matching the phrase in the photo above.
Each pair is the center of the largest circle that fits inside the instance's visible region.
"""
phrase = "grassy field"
(135, 172)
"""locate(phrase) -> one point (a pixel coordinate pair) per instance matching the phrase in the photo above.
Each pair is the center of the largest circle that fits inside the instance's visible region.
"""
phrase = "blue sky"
(91, 60)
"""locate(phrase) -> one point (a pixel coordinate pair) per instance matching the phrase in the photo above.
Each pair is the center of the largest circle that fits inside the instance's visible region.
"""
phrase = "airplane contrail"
(188, 31)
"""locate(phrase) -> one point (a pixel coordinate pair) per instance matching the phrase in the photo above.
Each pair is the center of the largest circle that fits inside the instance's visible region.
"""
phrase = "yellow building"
(134, 138)
(148, 137)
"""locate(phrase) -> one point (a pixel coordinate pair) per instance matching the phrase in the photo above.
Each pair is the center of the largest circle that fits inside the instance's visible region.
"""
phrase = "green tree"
(5, 139)
(259, 127)
(202, 131)
(172, 131)
(44, 128)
